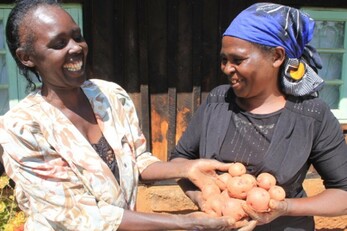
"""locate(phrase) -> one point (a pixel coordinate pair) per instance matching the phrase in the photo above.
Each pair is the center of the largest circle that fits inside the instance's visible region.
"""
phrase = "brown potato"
(258, 198)
(277, 193)
(266, 180)
(237, 169)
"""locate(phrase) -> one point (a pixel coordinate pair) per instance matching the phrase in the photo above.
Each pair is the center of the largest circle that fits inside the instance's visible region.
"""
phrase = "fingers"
(231, 221)
(281, 206)
(253, 214)
(249, 226)
(277, 209)
(224, 167)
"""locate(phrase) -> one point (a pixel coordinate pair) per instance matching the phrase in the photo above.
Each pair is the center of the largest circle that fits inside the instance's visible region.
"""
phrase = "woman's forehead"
(44, 14)
(48, 17)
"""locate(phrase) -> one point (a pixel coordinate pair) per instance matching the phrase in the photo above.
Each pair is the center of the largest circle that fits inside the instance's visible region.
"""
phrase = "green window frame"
(330, 40)
(12, 84)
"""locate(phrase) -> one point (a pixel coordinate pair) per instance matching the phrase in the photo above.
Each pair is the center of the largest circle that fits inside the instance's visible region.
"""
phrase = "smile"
(76, 66)
(234, 81)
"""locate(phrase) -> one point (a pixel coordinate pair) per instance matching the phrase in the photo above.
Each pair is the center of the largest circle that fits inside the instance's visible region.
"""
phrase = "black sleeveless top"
(106, 153)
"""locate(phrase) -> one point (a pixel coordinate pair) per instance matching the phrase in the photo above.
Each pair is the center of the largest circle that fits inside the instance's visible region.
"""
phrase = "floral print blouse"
(61, 182)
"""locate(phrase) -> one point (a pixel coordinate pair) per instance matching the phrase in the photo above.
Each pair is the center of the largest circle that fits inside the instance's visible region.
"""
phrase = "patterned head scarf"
(278, 25)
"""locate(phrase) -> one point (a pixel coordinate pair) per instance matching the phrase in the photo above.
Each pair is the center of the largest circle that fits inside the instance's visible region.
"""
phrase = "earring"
(298, 72)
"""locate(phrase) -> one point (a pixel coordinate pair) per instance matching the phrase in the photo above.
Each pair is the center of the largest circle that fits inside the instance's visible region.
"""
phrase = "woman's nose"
(229, 68)
(75, 47)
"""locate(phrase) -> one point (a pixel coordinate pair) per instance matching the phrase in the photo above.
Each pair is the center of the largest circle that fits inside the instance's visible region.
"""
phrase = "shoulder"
(26, 108)
(24, 119)
(109, 88)
(308, 106)
(104, 85)
(220, 94)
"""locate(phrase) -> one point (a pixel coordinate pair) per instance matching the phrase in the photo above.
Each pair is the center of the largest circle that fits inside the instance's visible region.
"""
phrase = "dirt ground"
(170, 199)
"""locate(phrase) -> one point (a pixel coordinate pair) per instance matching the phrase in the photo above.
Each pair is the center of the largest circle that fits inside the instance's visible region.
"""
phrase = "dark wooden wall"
(165, 53)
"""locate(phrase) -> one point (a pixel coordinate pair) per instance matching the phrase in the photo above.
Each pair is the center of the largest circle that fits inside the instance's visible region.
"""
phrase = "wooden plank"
(184, 47)
(210, 70)
(197, 41)
(184, 112)
(144, 108)
(172, 71)
(159, 125)
(172, 114)
(157, 46)
(145, 117)
(103, 40)
(131, 77)
(158, 83)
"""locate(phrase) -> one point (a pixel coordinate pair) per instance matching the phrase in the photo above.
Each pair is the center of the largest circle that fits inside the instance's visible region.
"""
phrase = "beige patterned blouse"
(61, 182)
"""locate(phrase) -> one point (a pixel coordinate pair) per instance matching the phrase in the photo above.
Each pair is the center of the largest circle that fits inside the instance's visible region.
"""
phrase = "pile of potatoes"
(236, 186)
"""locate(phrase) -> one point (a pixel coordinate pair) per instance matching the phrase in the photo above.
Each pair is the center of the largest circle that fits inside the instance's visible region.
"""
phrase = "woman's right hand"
(203, 221)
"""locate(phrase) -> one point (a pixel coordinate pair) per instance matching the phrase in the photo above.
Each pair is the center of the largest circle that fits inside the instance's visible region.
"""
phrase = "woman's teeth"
(234, 81)
(74, 66)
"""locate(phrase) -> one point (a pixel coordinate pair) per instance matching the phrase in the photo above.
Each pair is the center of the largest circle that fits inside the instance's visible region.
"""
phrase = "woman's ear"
(24, 57)
(279, 56)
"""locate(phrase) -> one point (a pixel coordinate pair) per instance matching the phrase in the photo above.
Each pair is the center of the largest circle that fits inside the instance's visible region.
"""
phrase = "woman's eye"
(59, 44)
(238, 61)
(224, 60)
(79, 38)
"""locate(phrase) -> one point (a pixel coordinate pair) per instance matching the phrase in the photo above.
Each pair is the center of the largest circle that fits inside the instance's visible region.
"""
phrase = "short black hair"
(15, 19)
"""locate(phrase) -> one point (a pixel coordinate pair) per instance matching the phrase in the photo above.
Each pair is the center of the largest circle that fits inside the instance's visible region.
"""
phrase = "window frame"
(335, 14)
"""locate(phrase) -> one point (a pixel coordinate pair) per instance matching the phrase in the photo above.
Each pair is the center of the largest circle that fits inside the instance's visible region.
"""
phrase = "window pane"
(332, 64)
(331, 70)
(328, 34)
(4, 97)
(330, 94)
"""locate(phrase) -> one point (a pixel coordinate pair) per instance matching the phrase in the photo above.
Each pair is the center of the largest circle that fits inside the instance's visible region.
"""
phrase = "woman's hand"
(207, 222)
(276, 209)
(202, 172)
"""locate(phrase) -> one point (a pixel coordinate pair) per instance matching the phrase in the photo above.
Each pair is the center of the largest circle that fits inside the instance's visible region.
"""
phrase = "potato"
(266, 180)
(237, 169)
(277, 193)
(233, 208)
(222, 181)
(258, 198)
(238, 187)
(250, 179)
(209, 190)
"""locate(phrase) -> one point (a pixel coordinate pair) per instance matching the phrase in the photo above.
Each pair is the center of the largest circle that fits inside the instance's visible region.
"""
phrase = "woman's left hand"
(206, 222)
(202, 172)
(276, 209)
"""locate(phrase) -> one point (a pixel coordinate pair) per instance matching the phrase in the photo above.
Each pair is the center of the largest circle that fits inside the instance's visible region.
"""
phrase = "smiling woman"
(270, 119)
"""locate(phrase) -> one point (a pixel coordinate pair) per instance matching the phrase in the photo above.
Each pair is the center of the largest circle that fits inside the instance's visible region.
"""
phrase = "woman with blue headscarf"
(270, 119)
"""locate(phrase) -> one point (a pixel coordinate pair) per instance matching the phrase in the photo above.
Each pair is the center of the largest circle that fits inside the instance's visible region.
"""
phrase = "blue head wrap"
(278, 25)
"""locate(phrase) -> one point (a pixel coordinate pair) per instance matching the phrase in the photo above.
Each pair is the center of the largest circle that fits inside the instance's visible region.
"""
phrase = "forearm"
(193, 221)
(331, 202)
(150, 221)
(198, 171)
(165, 171)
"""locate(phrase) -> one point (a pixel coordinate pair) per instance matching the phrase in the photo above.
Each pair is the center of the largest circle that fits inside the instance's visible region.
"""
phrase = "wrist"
(183, 167)
(188, 170)
(287, 210)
